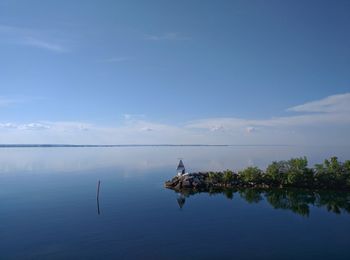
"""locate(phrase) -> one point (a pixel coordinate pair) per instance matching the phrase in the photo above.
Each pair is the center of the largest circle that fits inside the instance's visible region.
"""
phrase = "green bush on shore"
(228, 176)
(251, 174)
(292, 173)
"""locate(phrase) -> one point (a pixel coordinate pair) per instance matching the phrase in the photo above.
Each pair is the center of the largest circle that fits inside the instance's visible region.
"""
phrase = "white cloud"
(46, 125)
(133, 116)
(217, 128)
(43, 44)
(170, 36)
(30, 126)
(250, 129)
(331, 126)
(30, 37)
(332, 104)
(147, 129)
(331, 110)
(33, 126)
(8, 125)
(69, 126)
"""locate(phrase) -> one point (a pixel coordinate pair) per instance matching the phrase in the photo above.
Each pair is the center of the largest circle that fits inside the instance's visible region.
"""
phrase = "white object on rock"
(180, 168)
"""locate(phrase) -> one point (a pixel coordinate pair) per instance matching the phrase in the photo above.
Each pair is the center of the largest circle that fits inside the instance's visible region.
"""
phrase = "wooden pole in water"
(98, 197)
(98, 189)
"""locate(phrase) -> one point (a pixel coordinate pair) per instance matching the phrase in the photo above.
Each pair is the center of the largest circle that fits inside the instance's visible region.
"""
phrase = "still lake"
(49, 208)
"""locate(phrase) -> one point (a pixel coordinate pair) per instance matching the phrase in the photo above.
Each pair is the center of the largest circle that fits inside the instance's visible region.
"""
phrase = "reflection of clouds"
(142, 159)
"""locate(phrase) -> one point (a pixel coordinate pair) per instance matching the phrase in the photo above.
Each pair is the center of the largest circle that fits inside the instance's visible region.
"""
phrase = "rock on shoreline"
(188, 181)
(203, 181)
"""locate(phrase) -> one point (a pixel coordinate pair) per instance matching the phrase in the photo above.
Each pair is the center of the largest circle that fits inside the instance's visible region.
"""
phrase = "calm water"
(49, 208)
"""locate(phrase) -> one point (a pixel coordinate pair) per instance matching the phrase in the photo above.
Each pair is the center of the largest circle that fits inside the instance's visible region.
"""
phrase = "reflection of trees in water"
(334, 202)
(251, 195)
(296, 200)
(229, 193)
(299, 200)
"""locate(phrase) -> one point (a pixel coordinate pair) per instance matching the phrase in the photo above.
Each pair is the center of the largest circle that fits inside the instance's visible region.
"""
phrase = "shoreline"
(199, 182)
(294, 173)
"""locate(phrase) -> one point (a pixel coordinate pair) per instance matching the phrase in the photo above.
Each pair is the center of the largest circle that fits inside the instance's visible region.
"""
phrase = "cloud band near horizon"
(315, 122)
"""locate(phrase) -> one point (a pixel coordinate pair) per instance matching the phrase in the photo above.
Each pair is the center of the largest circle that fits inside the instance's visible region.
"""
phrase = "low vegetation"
(331, 174)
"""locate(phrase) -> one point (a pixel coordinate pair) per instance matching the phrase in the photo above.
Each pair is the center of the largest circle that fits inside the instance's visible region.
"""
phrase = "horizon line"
(129, 145)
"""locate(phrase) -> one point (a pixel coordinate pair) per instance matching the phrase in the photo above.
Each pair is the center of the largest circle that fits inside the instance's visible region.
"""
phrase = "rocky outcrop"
(188, 181)
(203, 181)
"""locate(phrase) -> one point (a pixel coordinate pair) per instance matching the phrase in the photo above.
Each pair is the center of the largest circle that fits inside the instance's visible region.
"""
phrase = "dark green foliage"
(227, 176)
(331, 174)
(289, 173)
(298, 173)
(295, 172)
(215, 177)
(347, 166)
(276, 173)
(251, 174)
(320, 182)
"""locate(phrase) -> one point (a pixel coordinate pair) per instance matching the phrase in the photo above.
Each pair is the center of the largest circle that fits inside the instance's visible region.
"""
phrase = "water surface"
(49, 208)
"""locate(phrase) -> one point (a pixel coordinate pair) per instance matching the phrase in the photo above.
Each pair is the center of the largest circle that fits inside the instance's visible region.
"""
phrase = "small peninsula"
(294, 173)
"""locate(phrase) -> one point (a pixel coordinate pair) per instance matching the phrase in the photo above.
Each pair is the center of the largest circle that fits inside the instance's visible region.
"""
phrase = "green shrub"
(227, 176)
(333, 173)
(294, 173)
(276, 172)
(298, 173)
(215, 176)
(251, 174)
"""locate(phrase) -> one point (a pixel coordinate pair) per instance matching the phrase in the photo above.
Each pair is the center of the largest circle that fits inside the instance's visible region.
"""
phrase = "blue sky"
(236, 72)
